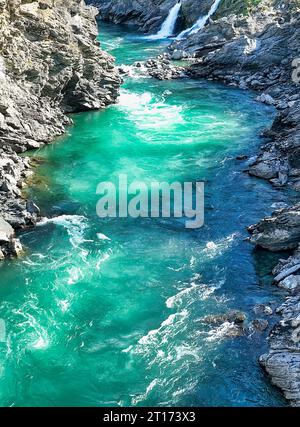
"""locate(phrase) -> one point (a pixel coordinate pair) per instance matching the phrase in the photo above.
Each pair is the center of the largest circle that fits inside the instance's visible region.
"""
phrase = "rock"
(260, 324)
(6, 229)
(263, 309)
(159, 68)
(32, 207)
(15, 247)
(9, 245)
(51, 64)
(279, 232)
(282, 362)
(233, 316)
(266, 99)
(290, 283)
(287, 272)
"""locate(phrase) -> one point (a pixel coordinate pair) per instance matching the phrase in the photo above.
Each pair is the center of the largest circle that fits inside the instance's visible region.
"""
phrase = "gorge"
(144, 312)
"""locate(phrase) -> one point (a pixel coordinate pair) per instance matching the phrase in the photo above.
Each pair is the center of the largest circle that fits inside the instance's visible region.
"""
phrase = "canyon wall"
(51, 64)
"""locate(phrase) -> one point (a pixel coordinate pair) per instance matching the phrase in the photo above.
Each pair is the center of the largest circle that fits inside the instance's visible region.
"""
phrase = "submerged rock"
(232, 316)
(228, 325)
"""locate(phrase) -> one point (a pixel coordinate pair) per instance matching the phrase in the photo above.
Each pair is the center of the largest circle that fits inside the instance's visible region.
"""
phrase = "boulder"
(279, 232)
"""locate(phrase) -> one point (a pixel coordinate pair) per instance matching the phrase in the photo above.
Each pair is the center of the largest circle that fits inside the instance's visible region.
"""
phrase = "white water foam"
(102, 236)
(214, 249)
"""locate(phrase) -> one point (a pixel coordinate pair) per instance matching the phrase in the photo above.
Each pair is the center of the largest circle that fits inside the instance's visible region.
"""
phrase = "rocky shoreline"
(261, 52)
(50, 65)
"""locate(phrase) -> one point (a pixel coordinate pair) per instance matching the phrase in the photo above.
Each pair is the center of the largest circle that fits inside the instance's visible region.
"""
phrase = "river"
(95, 321)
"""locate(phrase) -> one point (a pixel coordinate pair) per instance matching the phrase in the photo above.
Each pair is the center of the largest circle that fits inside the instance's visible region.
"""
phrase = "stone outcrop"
(261, 51)
(161, 68)
(257, 52)
(282, 362)
(51, 64)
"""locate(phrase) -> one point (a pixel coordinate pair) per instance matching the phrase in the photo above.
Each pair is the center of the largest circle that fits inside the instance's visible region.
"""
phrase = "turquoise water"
(93, 321)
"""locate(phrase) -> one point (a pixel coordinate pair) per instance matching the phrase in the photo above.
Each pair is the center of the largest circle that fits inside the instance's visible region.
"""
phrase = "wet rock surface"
(50, 65)
(282, 362)
(161, 68)
(279, 232)
(259, 52)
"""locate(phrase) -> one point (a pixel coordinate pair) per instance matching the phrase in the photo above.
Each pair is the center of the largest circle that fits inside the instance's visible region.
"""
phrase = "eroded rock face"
(51, 64)
(9, 245)
(279, 232)
(282, 362)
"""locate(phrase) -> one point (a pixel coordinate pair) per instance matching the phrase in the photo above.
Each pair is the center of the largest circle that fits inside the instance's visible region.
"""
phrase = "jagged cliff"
(148, 15)
(50, 65)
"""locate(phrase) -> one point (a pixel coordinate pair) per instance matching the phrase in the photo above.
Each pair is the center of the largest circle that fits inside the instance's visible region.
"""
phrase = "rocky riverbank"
(50, 65)
(250, 45)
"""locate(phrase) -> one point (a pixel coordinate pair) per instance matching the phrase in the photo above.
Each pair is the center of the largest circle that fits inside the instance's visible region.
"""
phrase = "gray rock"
(32, 207)
(290, 283)
(260, 325)
(233, 316)
(282, 362)
(279, 232)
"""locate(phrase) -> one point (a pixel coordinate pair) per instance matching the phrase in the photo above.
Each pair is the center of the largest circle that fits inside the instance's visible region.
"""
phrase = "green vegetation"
(237, 6)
